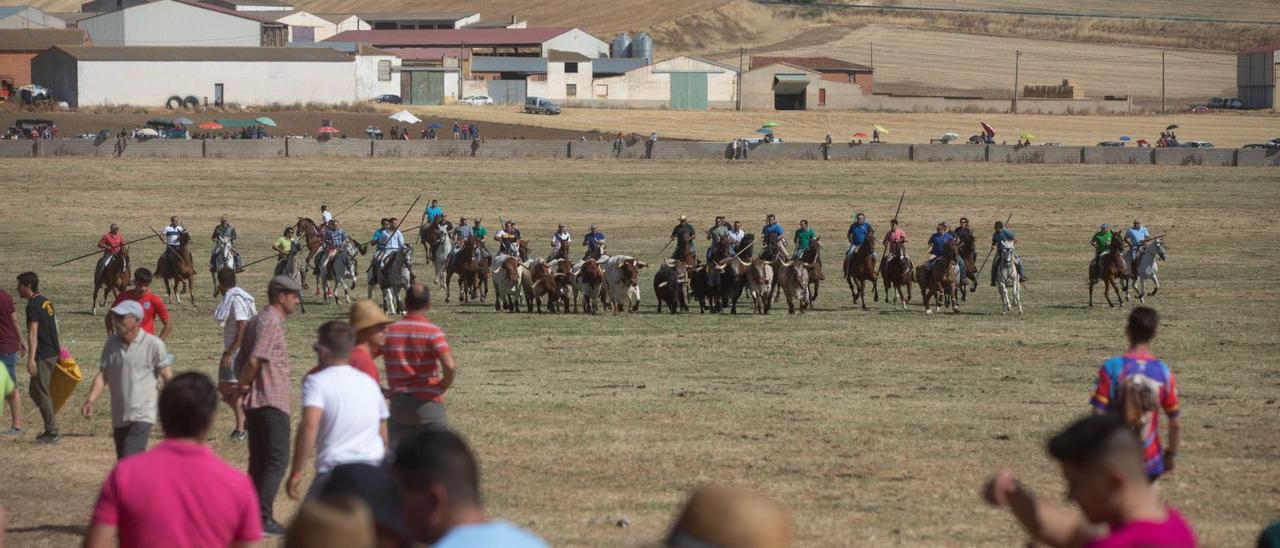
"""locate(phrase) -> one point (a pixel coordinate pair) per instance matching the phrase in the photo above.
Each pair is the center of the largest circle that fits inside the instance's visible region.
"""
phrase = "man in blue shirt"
(772, 234)
(394, 241)
(858, 234)
(1136, 237)
(938, 243)
(594, 240)
(1000, 235)
(430, 213)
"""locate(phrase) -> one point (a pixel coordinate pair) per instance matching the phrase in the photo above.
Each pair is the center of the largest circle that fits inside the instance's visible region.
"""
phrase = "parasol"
(1027, 137)
(881, 129)
(1171, 127)
(951, 135)
(435, 125)
(765, 130)
(1126, 138)
(770, 124)
(988, 129)
(267, 121)
(184, 121)
(406, 117)
(860, 134)
(328, 129)
(148, 132)
(210, 125)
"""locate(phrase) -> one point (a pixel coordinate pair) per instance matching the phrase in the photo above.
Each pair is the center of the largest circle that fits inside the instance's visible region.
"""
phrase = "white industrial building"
(182, 23)
(27, 17)
(270, 6)
(377, 73)
(518, 42)
(150, 76)
(683, 83)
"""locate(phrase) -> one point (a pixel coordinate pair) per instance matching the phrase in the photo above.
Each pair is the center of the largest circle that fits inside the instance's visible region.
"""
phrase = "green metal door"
(689, 90)
(427, 88)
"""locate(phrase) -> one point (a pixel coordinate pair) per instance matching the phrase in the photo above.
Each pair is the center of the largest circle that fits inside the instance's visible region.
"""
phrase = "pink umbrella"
(328, 129)
(988, 129)
(860, 134)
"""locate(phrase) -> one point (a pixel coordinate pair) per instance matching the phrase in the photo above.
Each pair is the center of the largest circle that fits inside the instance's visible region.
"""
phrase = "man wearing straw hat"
(131, 361)
(370, 324)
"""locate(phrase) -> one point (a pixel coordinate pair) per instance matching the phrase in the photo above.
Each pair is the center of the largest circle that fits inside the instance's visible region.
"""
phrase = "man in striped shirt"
(420, 368)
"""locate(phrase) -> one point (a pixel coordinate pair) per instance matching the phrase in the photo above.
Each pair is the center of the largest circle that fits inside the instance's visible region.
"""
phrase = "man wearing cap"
(420, 369)
(223, 232)
(343, 411)
(683, 228)
(131, 361)
(111, 244)
(595, 242)
(560, 242)
(1101, 242)
(262, 365)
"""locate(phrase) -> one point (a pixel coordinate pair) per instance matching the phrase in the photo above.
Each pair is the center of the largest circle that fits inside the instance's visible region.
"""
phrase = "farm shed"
(784, 86)
(1257, 78)
(19, 46)
(202, 25)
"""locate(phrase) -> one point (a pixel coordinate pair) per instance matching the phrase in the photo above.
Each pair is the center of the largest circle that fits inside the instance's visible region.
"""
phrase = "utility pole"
(1017, 56)
(742, 52)
(1162, 82)
(873, 56)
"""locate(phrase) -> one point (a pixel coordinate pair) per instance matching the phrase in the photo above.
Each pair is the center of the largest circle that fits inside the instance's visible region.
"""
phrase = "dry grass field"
(875, 427)
(1224, 130)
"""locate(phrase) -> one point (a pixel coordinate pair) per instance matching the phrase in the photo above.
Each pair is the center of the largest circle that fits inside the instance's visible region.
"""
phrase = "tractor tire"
(191, 102)
(174, 102)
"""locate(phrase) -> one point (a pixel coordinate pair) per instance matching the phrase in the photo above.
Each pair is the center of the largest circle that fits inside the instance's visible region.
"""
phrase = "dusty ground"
(875, 427)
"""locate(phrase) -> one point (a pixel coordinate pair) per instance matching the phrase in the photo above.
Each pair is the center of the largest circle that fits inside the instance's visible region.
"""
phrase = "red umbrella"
(210, 125)
(860, 134)
(988, 129)
(328, 129)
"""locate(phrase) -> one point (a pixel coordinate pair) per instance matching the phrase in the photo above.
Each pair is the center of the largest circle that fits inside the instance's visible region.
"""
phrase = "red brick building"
(18, 46)
(834, 70)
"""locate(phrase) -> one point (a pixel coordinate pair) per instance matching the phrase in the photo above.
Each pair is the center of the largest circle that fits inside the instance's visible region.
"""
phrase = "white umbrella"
(148, 132)
(406, 117)
(951, 135)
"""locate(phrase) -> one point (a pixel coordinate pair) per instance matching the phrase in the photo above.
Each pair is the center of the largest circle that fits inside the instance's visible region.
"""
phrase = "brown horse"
(861, 267)
(1110, 269)
(812, 258)
(307, 230)
(942, 278)
(970, 256)
(683, 252)
(177, 265)
(466, 267)
(113, 279)
(897, 274)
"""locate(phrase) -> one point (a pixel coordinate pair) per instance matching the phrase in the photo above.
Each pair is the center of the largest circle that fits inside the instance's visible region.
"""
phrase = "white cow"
(508, 275)
(622, 282)
(760, 284)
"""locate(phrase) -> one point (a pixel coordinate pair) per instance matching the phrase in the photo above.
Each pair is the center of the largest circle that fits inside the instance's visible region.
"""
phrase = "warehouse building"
(270, 7)
(27, 17)
(201, 25)
(527, 42)
(418, 20)
(1257, 78)
(785, 86)
(19, 46)
(150, 76)
(831, 70)
(682, 83)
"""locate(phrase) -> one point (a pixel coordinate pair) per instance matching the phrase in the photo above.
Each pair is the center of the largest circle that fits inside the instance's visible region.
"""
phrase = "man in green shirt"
(1101, 242)
(480, 232)
(803, 238)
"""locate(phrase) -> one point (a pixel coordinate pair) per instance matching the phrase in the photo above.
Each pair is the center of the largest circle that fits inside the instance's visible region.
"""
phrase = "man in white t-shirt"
(325, 216)
(343, 412)
(234, 313)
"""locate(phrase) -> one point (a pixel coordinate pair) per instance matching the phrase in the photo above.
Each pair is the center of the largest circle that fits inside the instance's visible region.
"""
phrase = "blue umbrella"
(765, 130)
(1125, 138)
(435, 126)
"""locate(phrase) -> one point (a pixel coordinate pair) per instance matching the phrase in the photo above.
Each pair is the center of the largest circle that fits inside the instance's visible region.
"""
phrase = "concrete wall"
(246, 83)
(17, 149)
(1034, 154)
(167, 23)
(874, 151)
(1195, 156)
(338, 147)
(1117, 155)
(244, 148)
(949, 153)
(1025, 106)
(1256, 157)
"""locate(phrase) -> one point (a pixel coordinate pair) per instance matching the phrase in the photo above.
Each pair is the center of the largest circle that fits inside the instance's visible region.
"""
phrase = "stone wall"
(949, 153)
(1117, 155)
(1195, 156)
(1034, 154)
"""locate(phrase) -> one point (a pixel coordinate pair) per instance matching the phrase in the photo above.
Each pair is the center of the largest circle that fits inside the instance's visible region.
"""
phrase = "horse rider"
(431, 212)
(334, 239)
(938, 245)
(736, 234)
(1136, 237)
(111, 244)
(560, 239)
(507, 239)
(283, 244)
(718, 232)
(965, 233)
(1101, 242)
(394, 242)
(594, 241)
(171, 234)
(683, 228)
(894, 241)
(224, 230)
(858, 235)
(325, 216)
(1002, 234)
(803, 237)
(772, 234)
(460, 236)
(480, 232)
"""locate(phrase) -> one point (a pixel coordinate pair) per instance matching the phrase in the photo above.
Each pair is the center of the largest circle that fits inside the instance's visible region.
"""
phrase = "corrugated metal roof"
(334, 18)
(818, 64)
(10, 10)
(428, 54)
(620, 65)
(264, 3)
(526, 65)
(566, 56)
(1274, 46)
(453, 37)
(792, 77)
(161, 54)
(201, 5)
(415, 16)
(39, 39)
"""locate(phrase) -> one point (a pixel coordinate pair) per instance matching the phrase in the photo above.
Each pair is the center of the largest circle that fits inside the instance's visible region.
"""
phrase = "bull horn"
(662, 285)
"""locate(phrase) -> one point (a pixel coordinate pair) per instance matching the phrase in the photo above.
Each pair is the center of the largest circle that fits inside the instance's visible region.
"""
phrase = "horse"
(1006, 268)
(941, 278)
(897, 274)
(224, 256)
(1110, 269)
(812, 258)
(344, 266)
(970, 256)
(396, 276)
(1145, 267)
(465, 266)
(684, 252)
(307, 230)
(178, 266)
(441, 247)
(112, 280)
(294, 269)
(861, 267)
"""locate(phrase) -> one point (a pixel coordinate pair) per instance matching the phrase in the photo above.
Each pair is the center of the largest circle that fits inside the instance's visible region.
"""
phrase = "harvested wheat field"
(875, 427)
(1223, 130)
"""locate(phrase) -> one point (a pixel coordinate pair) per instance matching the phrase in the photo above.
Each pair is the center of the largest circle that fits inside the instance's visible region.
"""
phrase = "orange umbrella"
(328, 129)
(210, 125)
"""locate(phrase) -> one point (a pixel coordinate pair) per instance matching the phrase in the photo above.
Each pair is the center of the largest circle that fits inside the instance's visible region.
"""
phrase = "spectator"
(179, 494)
(152, 305)
(379, 489)
(131, 361)
(420, 368)
(43, 350)
(1270, 537)
(456, 130)
(731, 517)
(343, 411)
(370, 324)
(1137, 385)
(10, 347)
(1102, 463)
(233, 314)
(338, 522)
(442, 500)
(263, 371)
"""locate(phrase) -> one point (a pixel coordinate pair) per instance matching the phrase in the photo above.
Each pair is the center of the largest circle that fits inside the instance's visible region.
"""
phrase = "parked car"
(1197, 144)
(1111, 144)
(477, 100)
(540, 105)
(1267, 145)
(1219, 102)
(1198, 109)
(1275, 141)
(388, 98)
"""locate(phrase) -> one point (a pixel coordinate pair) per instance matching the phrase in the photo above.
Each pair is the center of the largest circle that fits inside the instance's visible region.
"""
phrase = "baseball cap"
(284, 283)
(128, 308)
(377, 487)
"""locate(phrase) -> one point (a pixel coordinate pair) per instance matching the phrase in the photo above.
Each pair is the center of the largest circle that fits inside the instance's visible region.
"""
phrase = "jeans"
(10, 360)
(131, 439)
(410, 415)
(40, 393)
(268, 454)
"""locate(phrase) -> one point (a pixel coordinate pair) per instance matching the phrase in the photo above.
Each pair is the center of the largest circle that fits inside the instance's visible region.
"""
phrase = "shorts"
(10, 360)
(228, 375)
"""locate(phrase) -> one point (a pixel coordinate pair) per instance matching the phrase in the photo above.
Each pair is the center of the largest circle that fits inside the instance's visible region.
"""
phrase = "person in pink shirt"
(179, 494)
(1102, 461)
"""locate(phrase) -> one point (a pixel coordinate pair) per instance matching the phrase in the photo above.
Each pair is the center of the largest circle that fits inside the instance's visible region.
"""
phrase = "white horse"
(440, 256)
(1145, 267)
(1007, 278)
(224, 256)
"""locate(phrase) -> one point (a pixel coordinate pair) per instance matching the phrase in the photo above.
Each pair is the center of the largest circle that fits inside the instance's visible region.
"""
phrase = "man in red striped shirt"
(420, 368)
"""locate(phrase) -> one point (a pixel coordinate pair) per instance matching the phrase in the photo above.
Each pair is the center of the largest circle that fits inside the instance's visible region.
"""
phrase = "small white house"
(305, 27)
(377, 73)
(150, 76)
